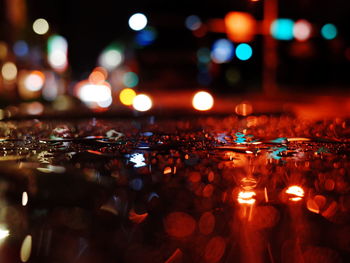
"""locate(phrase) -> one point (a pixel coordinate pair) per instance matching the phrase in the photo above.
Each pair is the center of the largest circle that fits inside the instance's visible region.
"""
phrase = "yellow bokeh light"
(202, 101)
(127, 96)
(26, 248)
(142, 103)
(40, 26)
(9, 71)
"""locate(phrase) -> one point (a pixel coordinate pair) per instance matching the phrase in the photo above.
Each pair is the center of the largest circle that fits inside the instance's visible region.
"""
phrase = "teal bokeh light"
(329, 31)
(282, 29)
(244, 51)
(130, 79)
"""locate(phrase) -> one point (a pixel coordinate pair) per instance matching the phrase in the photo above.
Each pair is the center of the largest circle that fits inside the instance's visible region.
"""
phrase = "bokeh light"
(4, 233)
(302, 30)
(25, 198)
(222, 51)
(240, 26)
(130, 79)
(329, 31)
(193, 22)
(296, 193)
(20, 48)
(9, 71)
(146, 36)
(57, 52)
(127, 96)
(40, 26)
(34, 81)
(233, 76)
(97, 76)
(246, 197)
(244, 51)
(203, 55)
(138, 21)
(111, 58)
(34, 108)
(95, 95)
(142, 102)
(282, 29)
(26, 248)
(244, 109)
(202, 101)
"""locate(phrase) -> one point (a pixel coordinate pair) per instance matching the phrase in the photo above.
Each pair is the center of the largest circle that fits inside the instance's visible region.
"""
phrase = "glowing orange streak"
(266, 196)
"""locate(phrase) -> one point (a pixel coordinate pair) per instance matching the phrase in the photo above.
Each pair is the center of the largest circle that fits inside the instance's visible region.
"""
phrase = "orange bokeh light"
(98, 76)
(296, 193)
(240, 26)
(179, 224)
(246, 197)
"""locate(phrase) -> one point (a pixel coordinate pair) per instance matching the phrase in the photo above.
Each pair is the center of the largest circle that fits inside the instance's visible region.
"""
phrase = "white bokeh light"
(142, 102)
(203, 101)
(138, 21)
(111, 59)
(40, 26)
(99, 94)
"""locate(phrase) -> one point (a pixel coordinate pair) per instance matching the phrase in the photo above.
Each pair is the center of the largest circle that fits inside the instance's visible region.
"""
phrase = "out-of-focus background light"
(142, 102)
(240, 26)
(244, 109)
(126, 96)
(244, 51)
(41, 26)
(222, 51)
(34, 81)
(329, 31)
(96, 95)
(4, 233)
(203, 55)
(57, 47)
(138, 21)
(111, 58)
(9, 71)
(295, 192)
(20, 48)
(130, 79)
(302, 30)
(282, 29)
(193, 22)
(202, 101)
(146, 36)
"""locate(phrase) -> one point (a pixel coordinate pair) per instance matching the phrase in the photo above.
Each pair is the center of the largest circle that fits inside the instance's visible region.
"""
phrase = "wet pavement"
(264, 188)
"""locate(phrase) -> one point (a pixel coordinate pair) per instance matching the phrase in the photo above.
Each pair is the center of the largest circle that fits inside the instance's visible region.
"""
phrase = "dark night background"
(170, 63)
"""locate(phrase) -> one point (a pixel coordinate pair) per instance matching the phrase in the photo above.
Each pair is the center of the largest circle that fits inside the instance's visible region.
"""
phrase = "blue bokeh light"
(20, 48)
(222, 51)
(146, 36)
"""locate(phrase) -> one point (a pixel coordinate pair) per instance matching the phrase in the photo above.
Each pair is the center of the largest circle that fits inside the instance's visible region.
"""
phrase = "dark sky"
(91, 25)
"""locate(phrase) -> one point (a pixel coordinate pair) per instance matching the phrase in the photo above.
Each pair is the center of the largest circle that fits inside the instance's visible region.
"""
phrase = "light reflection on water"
(204, 190)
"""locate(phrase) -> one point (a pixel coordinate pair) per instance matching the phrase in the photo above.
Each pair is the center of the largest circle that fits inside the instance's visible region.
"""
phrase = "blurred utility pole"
(16, 14)
(270, 59)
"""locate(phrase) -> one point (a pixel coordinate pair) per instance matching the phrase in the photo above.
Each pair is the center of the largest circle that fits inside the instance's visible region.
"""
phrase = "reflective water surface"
(208, 189)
